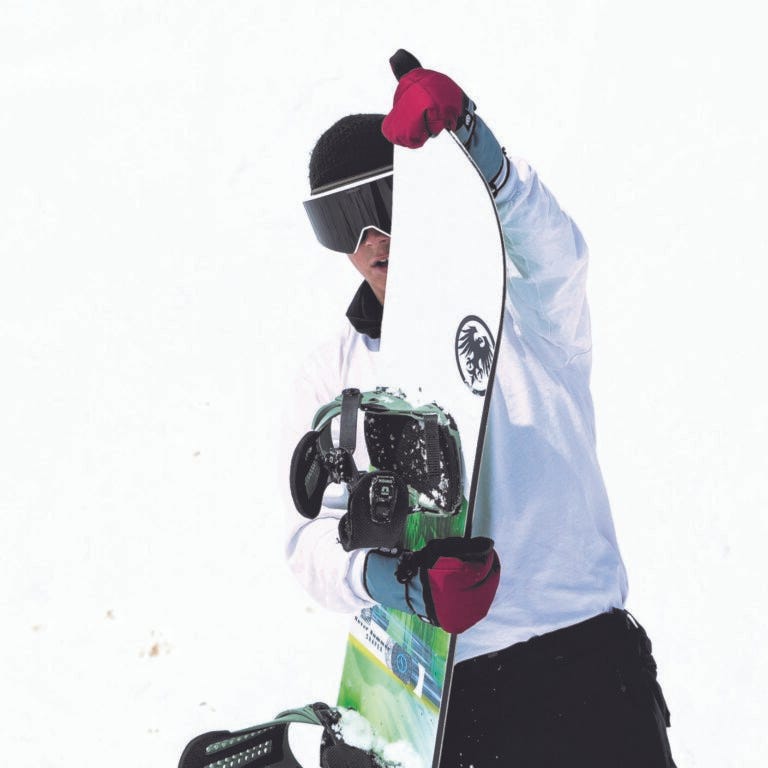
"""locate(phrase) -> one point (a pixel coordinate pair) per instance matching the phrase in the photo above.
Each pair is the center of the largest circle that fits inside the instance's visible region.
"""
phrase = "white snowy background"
(158, 284)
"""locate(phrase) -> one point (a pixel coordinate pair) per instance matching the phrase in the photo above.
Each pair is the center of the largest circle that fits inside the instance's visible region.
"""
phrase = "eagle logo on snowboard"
(474, 353)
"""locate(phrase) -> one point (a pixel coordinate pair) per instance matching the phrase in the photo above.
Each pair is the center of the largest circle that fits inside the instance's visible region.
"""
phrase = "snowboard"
(440, 330)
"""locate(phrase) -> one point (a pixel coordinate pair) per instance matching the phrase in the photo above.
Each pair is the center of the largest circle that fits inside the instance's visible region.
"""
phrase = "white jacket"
(541, 496)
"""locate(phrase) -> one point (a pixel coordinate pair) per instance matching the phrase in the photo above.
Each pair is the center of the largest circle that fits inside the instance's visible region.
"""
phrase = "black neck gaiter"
(365, 312)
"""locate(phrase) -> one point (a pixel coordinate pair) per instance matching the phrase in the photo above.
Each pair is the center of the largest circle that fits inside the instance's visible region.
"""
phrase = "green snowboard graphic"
(395, 665)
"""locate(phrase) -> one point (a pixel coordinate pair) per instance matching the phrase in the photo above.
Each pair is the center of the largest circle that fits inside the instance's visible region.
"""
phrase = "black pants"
(584, 696)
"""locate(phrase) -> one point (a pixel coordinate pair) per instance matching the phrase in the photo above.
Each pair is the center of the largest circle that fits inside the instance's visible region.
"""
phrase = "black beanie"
(352, 146)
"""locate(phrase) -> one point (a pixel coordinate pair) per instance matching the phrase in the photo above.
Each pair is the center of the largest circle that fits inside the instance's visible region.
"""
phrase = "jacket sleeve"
(546, 254)
(330, 575)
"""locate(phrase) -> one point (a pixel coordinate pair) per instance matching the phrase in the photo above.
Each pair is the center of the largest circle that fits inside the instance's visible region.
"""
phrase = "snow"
(159, 283)
(356, 731)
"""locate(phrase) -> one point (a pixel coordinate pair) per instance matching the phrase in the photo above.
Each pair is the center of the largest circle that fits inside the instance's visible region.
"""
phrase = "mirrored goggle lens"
(340, 216)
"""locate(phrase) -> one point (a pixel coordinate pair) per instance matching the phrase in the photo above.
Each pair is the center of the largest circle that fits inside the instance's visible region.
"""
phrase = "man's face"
(371, 259)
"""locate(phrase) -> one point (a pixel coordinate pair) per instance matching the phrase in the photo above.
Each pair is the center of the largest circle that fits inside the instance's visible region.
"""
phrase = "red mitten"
(425, 102)
(462, 582)
(450, 582)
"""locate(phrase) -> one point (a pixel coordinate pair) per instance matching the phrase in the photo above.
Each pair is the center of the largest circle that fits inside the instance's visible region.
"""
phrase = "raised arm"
(547, 256)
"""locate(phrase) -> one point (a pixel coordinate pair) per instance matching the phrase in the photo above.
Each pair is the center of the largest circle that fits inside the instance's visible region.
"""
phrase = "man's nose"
(374, 237)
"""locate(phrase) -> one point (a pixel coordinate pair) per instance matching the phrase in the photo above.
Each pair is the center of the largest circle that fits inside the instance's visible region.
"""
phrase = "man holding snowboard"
(551, 671)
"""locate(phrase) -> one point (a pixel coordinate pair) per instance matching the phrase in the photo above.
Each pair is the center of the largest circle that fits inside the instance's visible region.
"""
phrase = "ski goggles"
(339, 215)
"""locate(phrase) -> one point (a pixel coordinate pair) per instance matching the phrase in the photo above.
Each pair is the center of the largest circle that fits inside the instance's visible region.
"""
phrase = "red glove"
(425, 102)
(450, 582)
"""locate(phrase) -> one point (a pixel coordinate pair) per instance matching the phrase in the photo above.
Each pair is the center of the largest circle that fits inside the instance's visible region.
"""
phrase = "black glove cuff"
(468, 550)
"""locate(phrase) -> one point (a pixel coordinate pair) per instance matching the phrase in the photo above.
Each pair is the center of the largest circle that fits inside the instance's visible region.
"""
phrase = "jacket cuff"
(355, 575)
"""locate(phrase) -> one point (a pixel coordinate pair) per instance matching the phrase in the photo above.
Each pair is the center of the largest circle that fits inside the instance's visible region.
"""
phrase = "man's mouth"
(381, 263)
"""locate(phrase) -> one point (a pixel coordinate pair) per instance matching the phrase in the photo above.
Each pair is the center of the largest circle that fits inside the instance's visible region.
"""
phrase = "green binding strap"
(379, 398)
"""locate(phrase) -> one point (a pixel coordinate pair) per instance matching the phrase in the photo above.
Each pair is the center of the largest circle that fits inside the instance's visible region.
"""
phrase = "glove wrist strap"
(483, 147)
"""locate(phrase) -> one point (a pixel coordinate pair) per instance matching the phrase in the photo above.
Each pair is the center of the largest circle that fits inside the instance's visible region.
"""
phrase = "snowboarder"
(558, 673)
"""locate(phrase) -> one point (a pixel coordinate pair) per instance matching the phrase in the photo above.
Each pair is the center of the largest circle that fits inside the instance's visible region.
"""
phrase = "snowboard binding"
(414, 448)
(266, 745)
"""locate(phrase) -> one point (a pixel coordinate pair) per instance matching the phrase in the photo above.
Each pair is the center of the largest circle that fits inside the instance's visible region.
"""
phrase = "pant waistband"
(615, 630)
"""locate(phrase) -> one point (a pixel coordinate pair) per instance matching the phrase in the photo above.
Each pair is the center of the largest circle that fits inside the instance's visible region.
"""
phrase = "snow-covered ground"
(159, 283)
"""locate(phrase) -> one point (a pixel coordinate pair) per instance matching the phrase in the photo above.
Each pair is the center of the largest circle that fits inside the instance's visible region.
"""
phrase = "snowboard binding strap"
(266, 745)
